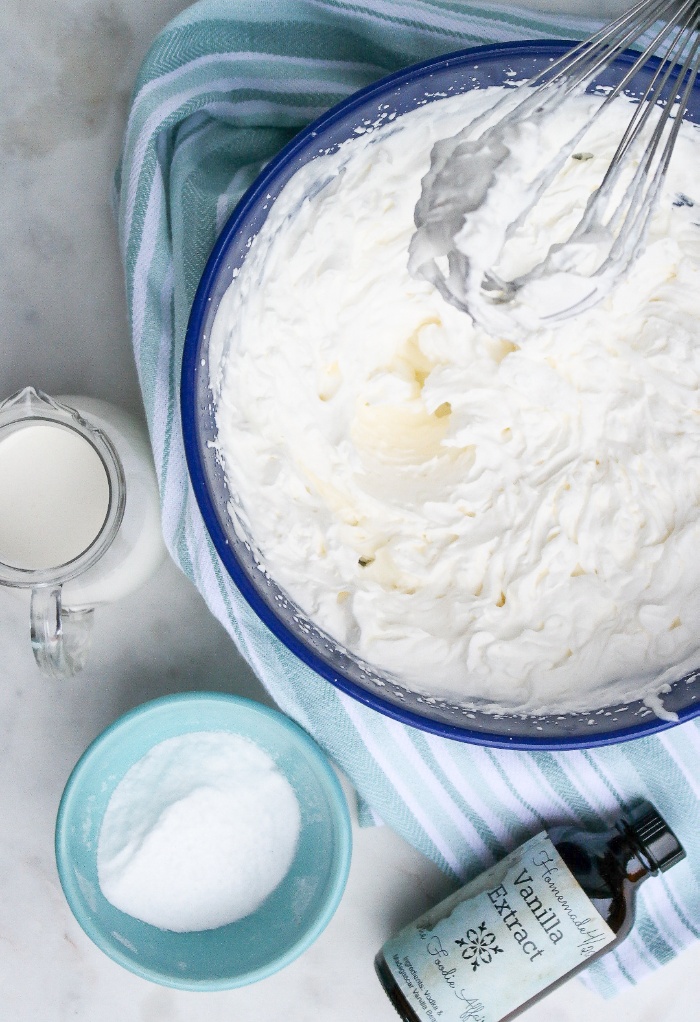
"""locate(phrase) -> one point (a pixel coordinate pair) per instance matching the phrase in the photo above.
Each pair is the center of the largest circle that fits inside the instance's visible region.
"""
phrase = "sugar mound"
(198, 833)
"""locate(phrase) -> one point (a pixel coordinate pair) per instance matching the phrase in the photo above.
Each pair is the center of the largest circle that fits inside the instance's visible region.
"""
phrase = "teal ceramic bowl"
(286, 923)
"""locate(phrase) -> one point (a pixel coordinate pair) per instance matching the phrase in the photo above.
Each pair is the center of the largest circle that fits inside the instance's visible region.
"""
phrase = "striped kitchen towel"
(221, 90)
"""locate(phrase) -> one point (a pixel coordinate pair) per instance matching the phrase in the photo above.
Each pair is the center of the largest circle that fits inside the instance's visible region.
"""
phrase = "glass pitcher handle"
(60, 637)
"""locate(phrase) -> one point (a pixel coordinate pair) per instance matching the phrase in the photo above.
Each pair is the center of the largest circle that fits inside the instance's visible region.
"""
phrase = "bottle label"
(500, 940)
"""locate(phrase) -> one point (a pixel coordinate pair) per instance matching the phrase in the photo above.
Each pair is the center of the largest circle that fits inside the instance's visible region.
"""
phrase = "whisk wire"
(594, 54)
(673, 25)
(630, 219)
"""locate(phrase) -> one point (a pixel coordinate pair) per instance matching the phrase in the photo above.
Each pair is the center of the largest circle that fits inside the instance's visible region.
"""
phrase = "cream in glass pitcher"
(79, 516)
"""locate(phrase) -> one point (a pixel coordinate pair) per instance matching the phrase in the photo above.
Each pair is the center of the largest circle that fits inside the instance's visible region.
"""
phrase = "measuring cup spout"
(31, 403)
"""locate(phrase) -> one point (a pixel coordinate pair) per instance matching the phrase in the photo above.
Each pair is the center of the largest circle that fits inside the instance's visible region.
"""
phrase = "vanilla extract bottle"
(527, 924)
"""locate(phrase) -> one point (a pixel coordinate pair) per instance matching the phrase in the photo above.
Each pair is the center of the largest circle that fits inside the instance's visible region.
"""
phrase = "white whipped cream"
(511, 523)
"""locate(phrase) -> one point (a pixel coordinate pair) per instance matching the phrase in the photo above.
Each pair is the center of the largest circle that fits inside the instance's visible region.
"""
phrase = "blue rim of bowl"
(190, 358)
(341, 817)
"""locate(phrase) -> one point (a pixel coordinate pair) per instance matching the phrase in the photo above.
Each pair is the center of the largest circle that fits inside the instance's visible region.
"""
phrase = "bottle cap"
(658, 846)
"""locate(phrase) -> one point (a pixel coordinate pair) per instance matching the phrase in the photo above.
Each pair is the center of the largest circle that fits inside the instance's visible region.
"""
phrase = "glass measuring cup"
(68, 533)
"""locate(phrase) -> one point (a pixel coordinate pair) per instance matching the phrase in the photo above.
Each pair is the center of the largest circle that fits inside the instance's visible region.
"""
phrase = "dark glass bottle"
(608, 867)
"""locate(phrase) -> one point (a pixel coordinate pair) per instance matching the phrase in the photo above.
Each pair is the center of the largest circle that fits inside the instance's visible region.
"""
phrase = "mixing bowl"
(393, 96)
(286, 923)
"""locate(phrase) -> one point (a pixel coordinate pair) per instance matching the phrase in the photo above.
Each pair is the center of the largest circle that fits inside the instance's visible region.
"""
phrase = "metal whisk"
(462, 179)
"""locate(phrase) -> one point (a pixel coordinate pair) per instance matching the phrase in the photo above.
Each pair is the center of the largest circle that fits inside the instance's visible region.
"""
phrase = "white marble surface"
(65, 75)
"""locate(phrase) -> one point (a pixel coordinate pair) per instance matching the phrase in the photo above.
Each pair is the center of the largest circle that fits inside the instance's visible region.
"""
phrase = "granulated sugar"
(198, 833)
